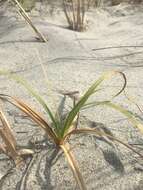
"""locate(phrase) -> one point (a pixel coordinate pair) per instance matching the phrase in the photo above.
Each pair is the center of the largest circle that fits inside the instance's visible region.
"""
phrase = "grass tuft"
(75, 13)
(61, 127)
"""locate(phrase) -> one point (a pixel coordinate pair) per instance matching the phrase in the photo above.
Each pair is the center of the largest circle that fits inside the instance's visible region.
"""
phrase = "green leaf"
(72, 114)
(99, 133)
(130, 115)
(30, 89)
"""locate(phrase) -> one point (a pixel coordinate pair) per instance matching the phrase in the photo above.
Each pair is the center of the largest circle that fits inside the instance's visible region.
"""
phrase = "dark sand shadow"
(108, 147)
(50, 161)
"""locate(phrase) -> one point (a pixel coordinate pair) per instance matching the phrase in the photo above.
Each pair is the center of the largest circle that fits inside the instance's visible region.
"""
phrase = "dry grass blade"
(9, 140)
(36, 117)
(2, 148)
(83, 12)
(99, 133)
(7, 129)
(28, 20)
(66, 11)
(75, 13)
(74, 16)
(78, 14)
(73, 165)
(9, 146)
(9, 150)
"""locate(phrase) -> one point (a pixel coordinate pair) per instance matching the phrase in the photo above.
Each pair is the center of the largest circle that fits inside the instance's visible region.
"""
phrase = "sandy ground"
(73, 60)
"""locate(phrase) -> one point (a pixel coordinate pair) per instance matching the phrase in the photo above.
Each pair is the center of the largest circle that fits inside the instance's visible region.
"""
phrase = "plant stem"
(28, 20)
(73, 165)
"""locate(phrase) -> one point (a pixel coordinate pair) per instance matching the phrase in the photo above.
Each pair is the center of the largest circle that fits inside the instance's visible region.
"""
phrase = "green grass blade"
(99, 133)
(130, 115)
(79, 105)
(85, 97)
(30, 89)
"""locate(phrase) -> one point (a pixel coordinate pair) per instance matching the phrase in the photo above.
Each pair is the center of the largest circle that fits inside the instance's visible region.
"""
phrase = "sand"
(113, 41)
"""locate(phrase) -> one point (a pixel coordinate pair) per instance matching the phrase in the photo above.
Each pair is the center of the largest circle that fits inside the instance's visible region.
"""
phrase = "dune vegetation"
(61, 124)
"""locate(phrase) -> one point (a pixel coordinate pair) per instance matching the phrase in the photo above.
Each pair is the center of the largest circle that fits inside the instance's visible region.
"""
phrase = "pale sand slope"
(71, 64)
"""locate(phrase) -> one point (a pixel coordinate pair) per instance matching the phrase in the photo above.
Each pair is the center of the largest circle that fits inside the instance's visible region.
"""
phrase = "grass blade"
(67, 12)
(9, 145)
(102, 134)
(2, 148)
(86, 96)
(36, 117)
(7, 129)
(125, 112)
(73, 165)
(22, 12)
(9, 140)
(9, 149)
(28, 87)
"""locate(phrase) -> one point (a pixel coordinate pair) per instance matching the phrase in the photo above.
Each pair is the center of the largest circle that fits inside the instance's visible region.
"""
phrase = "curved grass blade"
(9, 146)
(73, 165)
(7, 129)
(131, 99)
(9, 150)
(124, 84)
(28, 87)
(86, 96)
(125, 112)
(36, 117)
(102, 134)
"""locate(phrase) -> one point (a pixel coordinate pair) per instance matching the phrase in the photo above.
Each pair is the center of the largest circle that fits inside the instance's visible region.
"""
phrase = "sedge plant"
(59, 129)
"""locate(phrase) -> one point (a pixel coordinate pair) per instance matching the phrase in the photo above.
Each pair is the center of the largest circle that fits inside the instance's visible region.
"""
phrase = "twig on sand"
(116, 47)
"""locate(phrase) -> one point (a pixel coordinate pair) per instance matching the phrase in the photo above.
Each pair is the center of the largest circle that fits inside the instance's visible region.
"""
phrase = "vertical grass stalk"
(73, 165)
(22, 12)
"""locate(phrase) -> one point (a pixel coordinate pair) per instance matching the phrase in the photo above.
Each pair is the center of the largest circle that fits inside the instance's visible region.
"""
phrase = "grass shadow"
(50, 160)
(107, 147)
